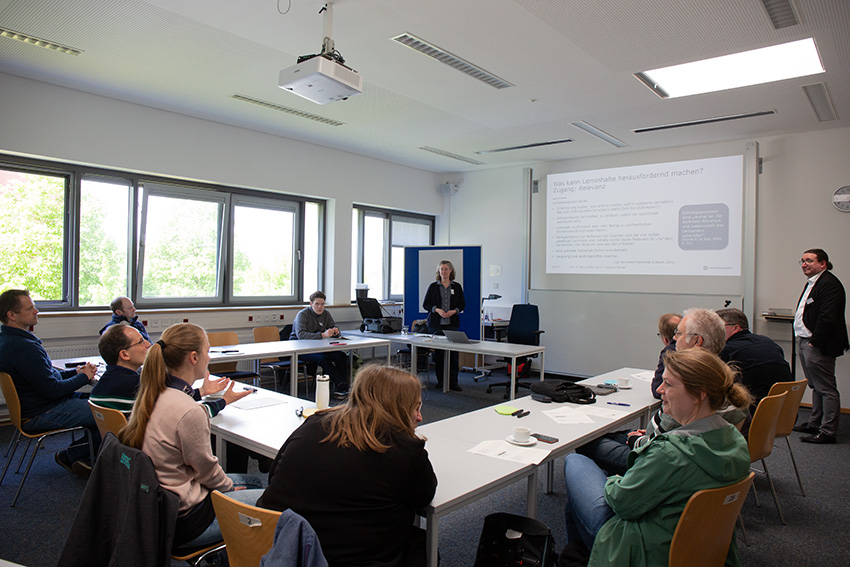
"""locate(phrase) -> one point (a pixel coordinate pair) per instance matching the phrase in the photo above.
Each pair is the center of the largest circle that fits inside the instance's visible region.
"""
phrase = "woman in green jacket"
(630, 519)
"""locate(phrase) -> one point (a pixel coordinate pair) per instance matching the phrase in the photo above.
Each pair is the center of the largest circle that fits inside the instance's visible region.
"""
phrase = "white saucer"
(510, 439)
(625, 387)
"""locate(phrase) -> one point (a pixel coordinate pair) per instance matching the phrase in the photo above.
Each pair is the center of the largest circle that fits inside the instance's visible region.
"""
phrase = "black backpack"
(564, 391)
(508, 540)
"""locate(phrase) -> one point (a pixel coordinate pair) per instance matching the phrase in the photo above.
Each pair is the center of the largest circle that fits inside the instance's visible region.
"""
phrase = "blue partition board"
(420, 269)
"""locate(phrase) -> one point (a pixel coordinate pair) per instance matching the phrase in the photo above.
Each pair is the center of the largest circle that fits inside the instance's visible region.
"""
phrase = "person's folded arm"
(649, 482)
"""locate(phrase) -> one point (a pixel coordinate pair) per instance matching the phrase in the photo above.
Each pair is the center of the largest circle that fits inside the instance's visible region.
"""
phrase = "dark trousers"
(820, 373)
(454, 366)
(334, 364)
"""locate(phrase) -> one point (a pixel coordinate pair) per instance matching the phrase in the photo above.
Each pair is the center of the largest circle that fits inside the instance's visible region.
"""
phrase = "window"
(181, 243)
(264, 249)
(33, 233)
(378, 241)
(105, 241)
(78, 237)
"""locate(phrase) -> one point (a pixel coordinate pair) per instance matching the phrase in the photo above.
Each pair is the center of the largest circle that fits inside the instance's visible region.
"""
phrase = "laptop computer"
(457, 336)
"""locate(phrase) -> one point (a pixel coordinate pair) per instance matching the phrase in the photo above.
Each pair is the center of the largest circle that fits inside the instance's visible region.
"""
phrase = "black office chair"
(523, 329)
(282, 366)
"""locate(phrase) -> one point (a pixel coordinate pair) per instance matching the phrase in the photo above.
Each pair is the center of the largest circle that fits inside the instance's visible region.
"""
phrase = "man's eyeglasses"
(140, 341)
(808, 261)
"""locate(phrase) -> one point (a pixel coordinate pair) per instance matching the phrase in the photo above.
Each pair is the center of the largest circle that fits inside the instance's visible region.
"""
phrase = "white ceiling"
(569, 60)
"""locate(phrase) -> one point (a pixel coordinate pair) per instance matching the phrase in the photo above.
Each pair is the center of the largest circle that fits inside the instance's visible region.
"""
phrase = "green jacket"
(648, 500)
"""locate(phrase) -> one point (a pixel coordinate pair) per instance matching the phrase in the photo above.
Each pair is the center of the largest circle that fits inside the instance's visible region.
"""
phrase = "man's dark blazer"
(823, 315)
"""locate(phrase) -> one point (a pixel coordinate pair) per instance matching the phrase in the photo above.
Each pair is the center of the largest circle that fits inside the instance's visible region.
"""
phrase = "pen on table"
(618, 404)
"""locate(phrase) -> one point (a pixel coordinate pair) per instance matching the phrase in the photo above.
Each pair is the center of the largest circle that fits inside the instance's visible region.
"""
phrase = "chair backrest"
(524, 324)
(248, 531)
(705, 528)
(223, 338)
(286, 332)
(10, 394)
(788, 417)
(107, 419)
(266, 335)
(763, 427)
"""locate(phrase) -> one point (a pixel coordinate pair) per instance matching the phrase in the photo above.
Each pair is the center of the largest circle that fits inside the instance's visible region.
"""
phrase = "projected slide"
(677, 218)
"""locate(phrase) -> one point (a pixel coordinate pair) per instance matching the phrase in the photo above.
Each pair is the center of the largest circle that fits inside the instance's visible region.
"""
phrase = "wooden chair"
(228, 369)
(195, 556)
(705, 528)
(789, 415)
(107, 419)
(13, 403)
(761, 437)
(248, 531)
(279, 367)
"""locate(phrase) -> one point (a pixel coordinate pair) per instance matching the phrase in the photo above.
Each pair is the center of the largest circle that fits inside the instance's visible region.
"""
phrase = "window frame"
(389, 215)
(74, 175)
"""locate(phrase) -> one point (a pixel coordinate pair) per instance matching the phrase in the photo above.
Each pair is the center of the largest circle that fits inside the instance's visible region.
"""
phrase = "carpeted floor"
(33, 533)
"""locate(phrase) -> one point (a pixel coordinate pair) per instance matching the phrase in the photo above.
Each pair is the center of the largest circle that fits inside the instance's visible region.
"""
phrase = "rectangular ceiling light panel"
(451, 60)
(765, 65)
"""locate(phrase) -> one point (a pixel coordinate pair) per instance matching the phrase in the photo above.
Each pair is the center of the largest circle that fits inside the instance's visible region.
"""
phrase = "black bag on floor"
(564, 391)
(508, 540)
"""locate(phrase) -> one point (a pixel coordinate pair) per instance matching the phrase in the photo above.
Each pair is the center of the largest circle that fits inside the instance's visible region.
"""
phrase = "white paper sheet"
(255, 401)
(503, 450)
(566, 415)
(646, 375)
(608, 412)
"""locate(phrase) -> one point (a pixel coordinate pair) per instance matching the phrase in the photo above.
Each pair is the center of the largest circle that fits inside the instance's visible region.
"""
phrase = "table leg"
(293, 375)
(532, 494)
(550, 477)
(431, 540)
(447, 366)
(413, 359)
(513, 378)
(221, 451)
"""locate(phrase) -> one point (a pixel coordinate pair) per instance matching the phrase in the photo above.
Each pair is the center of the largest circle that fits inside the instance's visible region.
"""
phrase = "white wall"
(45, 121)
(794, 213)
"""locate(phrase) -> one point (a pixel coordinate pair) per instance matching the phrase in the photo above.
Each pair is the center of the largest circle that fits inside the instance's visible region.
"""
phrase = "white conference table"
(294, 348)
(273, 349)
(260, 422)
(489, 348)
(465, 477)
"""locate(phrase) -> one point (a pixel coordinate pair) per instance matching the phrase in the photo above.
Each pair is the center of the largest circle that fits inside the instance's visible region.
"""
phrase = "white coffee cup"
(522, 434)
(624, 383)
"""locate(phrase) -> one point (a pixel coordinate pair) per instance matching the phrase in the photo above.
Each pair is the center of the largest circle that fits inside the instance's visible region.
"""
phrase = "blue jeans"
(586, 509)
(72, 412)
(253, 491)
(610, 452)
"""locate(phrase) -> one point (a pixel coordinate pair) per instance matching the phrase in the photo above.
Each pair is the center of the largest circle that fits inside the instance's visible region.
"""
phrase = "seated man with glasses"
(699, 328)
(123, 349)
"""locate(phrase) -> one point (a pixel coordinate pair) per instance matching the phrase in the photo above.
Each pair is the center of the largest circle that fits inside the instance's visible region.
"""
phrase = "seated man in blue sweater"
(314, 322)
(123, 311)
(48, 397)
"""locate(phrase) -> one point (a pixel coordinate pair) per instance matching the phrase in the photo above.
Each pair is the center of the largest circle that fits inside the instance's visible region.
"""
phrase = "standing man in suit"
(821, 337)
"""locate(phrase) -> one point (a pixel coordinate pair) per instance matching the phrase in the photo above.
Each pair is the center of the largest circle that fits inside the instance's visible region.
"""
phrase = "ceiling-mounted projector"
(321, 79)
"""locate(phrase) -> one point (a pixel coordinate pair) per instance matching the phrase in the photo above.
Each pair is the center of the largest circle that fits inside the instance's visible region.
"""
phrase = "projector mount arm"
(328, 50)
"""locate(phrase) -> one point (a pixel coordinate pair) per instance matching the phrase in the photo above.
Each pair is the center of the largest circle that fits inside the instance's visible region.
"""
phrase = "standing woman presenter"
(443, 302)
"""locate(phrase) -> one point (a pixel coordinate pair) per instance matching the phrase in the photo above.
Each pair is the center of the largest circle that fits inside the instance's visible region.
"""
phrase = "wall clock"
(841, 199)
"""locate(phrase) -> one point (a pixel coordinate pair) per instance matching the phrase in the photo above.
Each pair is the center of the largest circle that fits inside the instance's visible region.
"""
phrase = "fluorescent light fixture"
(765, 65)
(38, 42)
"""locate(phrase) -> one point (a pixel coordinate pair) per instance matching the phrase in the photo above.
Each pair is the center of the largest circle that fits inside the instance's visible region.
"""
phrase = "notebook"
(457, 336)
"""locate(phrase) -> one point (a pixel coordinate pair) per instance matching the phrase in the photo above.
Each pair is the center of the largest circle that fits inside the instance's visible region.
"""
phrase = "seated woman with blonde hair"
(170, 427)
(358, 472)
(630, 519)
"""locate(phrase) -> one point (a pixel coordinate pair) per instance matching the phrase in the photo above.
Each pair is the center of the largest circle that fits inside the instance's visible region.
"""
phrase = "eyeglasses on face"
(809, 261)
